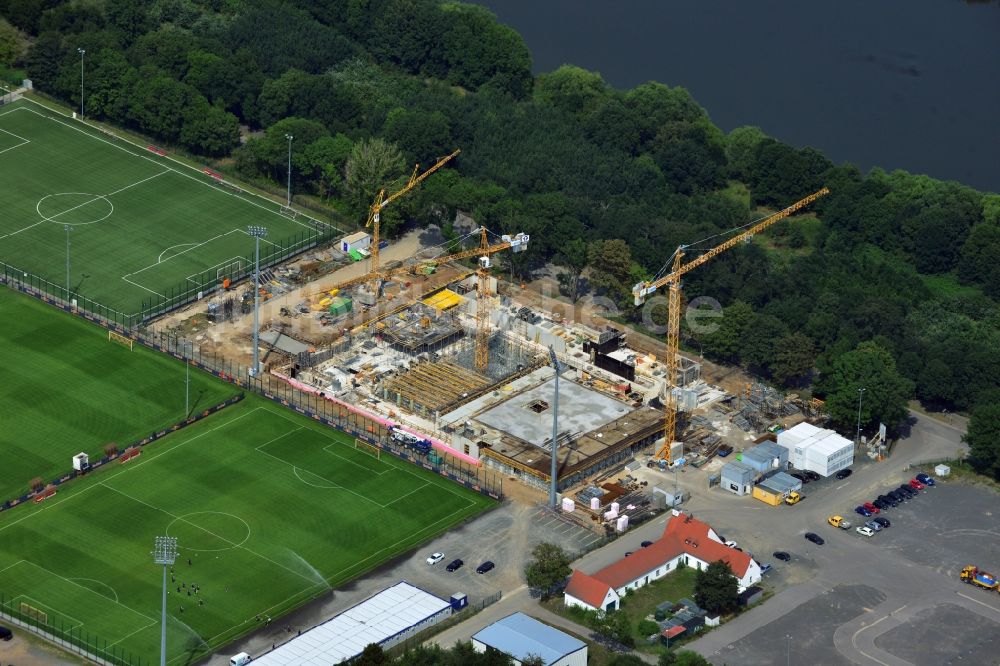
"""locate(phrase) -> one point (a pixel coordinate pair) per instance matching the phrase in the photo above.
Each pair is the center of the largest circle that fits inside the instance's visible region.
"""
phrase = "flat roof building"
(389, 617)
(521, 636)
(816, 449)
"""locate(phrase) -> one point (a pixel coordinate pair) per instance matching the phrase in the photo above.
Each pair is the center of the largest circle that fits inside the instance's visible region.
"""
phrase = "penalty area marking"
(23, 140)
(159, 259)
(331, 485)
(232, 544)
(38, 605)
(94, 580)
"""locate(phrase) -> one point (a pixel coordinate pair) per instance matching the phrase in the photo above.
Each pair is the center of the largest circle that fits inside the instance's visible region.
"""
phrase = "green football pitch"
(270, 508)
(69, 389)
(141, 227)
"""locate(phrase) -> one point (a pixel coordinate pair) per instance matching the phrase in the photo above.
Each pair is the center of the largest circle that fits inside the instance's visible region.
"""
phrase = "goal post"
(36, 614)
(123, 340)
(231, 270)
(368, 448)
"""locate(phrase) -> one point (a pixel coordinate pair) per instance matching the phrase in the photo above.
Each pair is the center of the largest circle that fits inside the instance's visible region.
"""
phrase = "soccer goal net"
(232, 188)
(231, 270)
(368, 448)
(36, 614)
(123, 340)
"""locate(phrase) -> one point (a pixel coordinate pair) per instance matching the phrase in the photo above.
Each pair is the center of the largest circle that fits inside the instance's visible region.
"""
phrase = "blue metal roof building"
(521, 636)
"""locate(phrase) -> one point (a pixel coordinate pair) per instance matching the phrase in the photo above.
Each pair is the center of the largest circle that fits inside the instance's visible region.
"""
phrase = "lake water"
(912, 84)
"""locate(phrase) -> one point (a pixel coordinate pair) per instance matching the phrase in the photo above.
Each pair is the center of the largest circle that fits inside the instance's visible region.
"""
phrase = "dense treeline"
(892, 285)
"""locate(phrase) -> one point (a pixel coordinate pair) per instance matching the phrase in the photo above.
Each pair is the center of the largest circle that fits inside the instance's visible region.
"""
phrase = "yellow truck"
(793, 498)
(974, 576)
(838, 521)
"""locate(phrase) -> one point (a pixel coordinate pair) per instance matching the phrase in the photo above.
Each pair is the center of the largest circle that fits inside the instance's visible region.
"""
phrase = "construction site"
(453, 358)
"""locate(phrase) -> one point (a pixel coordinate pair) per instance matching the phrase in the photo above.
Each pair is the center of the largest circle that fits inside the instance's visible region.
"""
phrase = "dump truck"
(973, 576)
(794, 498)
(838, 521)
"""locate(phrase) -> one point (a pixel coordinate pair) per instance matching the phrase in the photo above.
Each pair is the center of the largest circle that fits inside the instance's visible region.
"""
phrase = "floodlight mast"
(288, 197)
(165, 553)
(81, 52)
(558, 367)
(257, 232)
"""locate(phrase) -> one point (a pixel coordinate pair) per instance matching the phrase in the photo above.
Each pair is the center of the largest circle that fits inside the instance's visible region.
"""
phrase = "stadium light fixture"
(164, 553)
(288, 198)
(81, 52)
(257, 232)
(857, 440)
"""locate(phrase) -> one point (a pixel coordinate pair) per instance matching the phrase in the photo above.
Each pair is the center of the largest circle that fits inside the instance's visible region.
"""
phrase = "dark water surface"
(912, 84)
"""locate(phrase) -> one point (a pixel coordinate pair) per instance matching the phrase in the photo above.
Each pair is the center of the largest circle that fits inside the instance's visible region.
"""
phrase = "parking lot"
(893, 598)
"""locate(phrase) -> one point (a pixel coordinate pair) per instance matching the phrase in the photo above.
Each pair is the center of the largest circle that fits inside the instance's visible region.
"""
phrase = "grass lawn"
(142, 227)
(69, 390)
(270, 508)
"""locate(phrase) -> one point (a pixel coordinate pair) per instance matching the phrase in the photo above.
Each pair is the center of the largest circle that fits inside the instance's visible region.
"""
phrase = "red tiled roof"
(694, 535)
(674, 631)
(587, 589)
(681, 535)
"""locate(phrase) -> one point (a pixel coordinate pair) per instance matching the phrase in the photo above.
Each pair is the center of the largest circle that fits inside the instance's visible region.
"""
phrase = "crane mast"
(381, 201)
(673, 282)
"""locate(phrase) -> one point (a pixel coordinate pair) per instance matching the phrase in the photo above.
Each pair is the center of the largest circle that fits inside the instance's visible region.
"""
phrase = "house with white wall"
(684, 539)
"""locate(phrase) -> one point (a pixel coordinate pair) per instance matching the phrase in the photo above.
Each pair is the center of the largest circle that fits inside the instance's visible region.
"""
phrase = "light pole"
(164, 552)
(788, 650)
(288, 198)
(257, 232)
(81, 52)
(68, 228)
(558, 367)
(861, 392)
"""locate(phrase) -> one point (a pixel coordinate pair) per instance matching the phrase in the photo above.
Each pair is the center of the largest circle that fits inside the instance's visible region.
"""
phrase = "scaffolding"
(420, 328)
(508, 355)
(430, 387)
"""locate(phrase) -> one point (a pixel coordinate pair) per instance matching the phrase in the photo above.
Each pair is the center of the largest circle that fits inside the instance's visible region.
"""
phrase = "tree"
(626, 660)
(372, 655)
(647, 628)
(741, 145)
(794, 358)
(548, 569)
(11, 43)
(372, 166)
(871, 367)
(571, 89)
(610, 267)
(727, 339)
(716, 589)
(573, 255)
(209, 130)
(682, 658)
(983, 438)
(615, 626)
(760, 343)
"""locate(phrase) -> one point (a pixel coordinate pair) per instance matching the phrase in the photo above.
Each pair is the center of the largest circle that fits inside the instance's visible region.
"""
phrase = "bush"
(110, 449)
(648, 628)
(36, 483)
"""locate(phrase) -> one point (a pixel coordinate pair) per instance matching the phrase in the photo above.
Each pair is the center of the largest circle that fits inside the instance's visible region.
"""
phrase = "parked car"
(627, 553)
(811, 475)
(484, 567)
(916, 485)
(871, 507)
(843, 474)
(435, 558)
(925, 479)
(5, 633)
(897, 495)
(888, 501)
(781, 555)
(838, 521)
(908, 491)
(815, 538)
(730, 544)
(454, 565)
(884, 522)
(764, 568)
(862, 511)
(866, 531)
(645, 544)
(875, 526)
(880, 505)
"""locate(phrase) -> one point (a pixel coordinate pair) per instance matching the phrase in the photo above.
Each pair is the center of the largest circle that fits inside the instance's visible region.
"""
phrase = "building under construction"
(511, 428)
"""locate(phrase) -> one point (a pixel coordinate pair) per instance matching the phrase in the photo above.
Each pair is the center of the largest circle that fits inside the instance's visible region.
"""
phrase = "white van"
(240, 659)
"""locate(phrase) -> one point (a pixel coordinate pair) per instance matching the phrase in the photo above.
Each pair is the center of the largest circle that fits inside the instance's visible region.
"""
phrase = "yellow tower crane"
(381, 201)
(673, 282)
